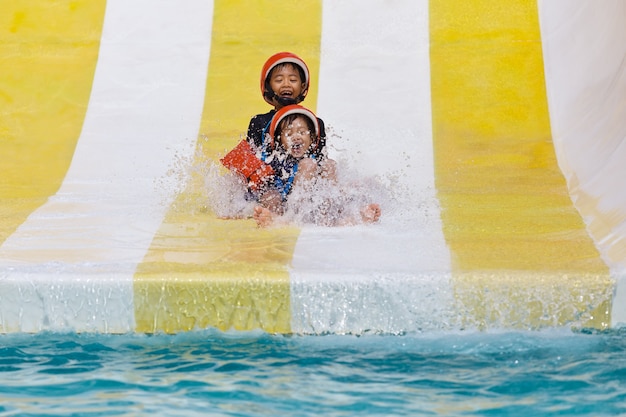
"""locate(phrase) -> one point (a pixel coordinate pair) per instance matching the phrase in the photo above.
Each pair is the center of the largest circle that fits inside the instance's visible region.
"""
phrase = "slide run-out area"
(493, 135)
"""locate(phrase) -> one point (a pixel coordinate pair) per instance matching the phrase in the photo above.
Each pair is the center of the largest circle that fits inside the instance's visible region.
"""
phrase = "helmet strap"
(287, 101)
(270, 95)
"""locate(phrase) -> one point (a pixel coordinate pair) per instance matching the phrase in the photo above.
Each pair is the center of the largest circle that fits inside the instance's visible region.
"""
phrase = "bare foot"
(263, 216)
(370, 213)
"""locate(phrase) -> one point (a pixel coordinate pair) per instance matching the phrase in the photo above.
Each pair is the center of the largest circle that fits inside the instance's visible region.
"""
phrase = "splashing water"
(211, 187)
(327, 203)
(225, 193)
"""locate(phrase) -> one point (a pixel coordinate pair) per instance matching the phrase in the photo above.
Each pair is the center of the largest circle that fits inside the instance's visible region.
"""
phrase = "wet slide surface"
(106, 222)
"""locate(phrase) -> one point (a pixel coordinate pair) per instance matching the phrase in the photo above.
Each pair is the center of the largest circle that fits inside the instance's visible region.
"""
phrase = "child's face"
(296, 138)
(285, 81)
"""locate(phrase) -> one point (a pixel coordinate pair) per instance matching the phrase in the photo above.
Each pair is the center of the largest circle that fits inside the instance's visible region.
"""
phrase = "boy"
(293, 140)
(285, 80)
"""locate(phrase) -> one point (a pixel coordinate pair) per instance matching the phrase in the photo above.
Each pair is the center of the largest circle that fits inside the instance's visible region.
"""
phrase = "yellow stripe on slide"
(202, 271)
(521, 254)
(48, 54)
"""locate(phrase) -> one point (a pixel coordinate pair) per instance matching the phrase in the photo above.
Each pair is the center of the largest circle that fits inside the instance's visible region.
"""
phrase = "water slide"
(497, 131)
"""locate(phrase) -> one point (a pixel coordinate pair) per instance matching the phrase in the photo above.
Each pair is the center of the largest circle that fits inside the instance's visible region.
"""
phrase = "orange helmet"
(294, 109)
(277, 59)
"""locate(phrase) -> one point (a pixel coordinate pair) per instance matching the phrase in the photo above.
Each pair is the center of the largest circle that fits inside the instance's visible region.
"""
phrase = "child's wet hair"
(288, 120)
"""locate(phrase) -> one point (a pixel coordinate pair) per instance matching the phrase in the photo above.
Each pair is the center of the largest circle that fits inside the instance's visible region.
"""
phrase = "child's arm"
(254, 132)
(257, 125)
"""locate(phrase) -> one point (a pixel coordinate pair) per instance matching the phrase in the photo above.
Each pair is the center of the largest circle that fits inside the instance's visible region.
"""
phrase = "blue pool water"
(209, 373)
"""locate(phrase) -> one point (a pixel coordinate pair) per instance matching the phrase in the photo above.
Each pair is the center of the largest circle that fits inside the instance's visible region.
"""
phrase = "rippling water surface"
(554, 372)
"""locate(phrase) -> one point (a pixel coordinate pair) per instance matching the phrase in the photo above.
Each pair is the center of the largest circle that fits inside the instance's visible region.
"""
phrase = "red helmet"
(294, 109)
(281, 58)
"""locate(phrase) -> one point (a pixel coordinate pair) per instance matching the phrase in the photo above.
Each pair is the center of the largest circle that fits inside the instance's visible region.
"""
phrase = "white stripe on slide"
(585, 60)
(77, 253)
(374, 97)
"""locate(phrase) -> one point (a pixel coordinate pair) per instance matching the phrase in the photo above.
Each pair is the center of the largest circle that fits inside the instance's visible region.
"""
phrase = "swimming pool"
(497, 373)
